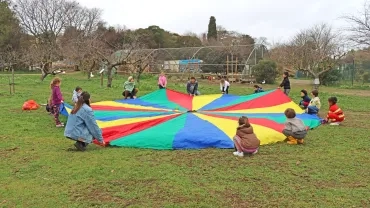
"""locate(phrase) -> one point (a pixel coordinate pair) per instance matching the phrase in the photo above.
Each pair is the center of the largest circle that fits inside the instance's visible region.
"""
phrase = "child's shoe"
(292, 142)
(235, 153)
(255, 152)
(79, 146)
(59, 125)
(240, 154)
(300, 141)
(335, 124)
(290, 138)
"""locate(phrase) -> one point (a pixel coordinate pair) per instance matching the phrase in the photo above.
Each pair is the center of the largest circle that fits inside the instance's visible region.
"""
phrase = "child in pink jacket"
(162, 81)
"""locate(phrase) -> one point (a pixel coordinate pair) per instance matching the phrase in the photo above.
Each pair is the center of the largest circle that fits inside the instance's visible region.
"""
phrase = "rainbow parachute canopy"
(166, 119)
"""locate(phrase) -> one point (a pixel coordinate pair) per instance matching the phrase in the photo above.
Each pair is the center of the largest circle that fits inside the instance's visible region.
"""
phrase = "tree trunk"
(13, 91)
(316, 81)
(44, 71)
(110, 78)
(90, 70)
(138, 77)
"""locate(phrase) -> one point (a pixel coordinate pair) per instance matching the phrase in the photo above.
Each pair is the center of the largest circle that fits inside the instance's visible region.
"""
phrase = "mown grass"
(38, 170)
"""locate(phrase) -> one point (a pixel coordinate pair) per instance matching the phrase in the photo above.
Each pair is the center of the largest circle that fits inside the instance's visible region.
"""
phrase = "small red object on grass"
(30, 105)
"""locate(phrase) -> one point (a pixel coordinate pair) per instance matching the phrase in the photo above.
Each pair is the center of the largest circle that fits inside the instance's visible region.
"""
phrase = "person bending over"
(224, 86)
(192, 87)
(81, 124)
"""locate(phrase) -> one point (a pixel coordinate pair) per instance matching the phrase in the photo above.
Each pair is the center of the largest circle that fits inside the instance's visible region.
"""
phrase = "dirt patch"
(361, 120)
(6, 152)
(361, 93)
(336, 185)
(234, 198)
(119, 192)
(97, 193)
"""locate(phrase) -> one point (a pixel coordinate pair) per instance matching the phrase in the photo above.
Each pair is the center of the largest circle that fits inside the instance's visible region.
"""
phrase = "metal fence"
(348, 74)
(206, 58)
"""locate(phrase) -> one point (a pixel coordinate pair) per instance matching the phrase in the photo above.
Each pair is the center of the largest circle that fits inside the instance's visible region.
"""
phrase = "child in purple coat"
(56, 100)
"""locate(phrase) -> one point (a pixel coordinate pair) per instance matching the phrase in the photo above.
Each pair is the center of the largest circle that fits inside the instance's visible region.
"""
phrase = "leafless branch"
(359, 26)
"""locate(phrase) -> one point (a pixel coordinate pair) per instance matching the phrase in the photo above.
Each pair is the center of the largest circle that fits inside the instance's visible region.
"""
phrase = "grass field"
(331, 170)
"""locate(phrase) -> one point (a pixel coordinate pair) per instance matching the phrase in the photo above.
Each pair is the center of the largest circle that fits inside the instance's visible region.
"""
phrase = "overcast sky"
(275, 19)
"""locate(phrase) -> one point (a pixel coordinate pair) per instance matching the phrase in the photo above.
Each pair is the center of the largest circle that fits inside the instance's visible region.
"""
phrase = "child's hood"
(244, 129)
(129, 83)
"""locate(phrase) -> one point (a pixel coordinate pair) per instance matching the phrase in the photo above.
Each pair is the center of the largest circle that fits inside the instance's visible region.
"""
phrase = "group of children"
(82, 127)
(312, 106)
(246, 142)
(56, 99)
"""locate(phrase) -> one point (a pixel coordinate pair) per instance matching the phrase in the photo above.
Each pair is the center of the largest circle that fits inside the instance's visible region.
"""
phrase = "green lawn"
(37, 170)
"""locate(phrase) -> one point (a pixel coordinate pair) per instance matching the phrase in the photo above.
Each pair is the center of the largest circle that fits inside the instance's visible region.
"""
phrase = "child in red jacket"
(335, 115)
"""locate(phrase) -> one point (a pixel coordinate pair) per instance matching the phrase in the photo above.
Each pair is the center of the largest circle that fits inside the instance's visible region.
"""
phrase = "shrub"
(330, 78)
(265, 70)
(365, 77)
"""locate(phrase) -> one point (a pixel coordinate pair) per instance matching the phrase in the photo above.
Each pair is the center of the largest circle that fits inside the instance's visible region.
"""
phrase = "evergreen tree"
(8, 24)
(212, 29)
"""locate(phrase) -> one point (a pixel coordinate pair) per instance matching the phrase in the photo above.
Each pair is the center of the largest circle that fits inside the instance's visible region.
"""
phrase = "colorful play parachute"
(167, 119)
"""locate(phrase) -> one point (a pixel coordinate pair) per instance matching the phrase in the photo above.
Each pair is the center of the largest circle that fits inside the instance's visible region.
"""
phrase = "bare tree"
(316, 50)
(359, 26)
(116, 47)
(46, 20)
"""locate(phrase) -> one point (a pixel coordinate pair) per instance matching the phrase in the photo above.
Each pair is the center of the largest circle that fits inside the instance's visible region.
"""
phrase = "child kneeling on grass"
(129, 89)
(245, 140)
(315, 103)
(305, 99)
(335, 115)
(257, 89)
(294, 128)
(76, 93)
(81, 125)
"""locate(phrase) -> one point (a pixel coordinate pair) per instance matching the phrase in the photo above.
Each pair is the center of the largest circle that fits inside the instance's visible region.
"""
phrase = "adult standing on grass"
(285, 83)
(81, 125)
(129, 89)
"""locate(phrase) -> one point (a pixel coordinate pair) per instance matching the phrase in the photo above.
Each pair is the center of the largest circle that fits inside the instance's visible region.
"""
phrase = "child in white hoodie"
(76, 93)
(224, 86)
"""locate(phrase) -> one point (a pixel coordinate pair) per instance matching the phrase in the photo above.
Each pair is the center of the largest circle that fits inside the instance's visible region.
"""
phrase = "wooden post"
(227, 64)
(232, 66)
(10, 86)
(236, 66)
(13, 79)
